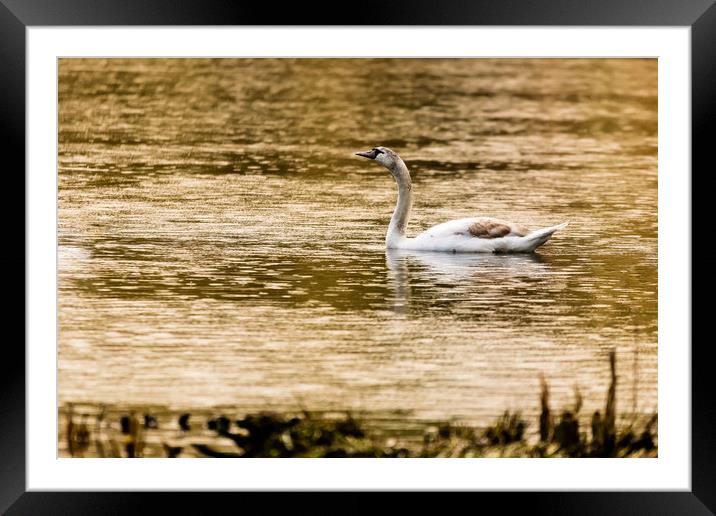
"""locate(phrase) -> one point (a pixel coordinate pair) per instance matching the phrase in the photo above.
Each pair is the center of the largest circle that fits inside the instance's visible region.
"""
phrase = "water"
(219, 244)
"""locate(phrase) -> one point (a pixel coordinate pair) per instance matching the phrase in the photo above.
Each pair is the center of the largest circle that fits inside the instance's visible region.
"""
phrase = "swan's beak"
(371, 154)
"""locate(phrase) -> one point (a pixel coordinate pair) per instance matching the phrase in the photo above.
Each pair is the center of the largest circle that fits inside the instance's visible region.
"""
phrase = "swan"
(470, 235)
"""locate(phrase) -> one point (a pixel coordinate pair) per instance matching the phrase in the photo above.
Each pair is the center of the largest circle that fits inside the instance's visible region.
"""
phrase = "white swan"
(472, 235)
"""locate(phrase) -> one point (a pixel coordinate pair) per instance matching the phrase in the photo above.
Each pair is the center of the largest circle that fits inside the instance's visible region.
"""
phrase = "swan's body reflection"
(467, 274)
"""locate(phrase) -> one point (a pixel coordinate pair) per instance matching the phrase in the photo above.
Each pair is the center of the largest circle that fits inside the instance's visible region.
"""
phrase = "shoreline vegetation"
(134, 433)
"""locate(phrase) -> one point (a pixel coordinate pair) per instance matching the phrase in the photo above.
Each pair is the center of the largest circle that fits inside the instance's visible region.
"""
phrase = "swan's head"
(384, 156)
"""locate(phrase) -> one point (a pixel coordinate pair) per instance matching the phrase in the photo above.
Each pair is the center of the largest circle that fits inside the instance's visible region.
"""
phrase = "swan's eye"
(378, 151)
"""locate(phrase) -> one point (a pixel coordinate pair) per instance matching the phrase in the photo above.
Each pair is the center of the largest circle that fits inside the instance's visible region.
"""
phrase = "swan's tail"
(540, 236)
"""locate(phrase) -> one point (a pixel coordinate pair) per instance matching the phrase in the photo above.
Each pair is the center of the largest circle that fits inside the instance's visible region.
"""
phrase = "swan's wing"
(479, 227)
(493, 228)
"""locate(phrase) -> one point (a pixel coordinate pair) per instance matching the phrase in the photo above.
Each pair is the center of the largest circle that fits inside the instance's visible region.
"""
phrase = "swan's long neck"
(399, 220)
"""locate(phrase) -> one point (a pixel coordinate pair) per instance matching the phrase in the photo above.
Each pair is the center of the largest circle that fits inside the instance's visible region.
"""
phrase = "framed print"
(449, 250)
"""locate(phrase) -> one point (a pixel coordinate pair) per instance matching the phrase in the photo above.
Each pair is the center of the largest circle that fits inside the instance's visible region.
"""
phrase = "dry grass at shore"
(308, 434)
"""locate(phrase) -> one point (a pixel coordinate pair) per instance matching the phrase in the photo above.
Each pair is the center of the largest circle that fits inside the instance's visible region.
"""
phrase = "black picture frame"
(17, 15)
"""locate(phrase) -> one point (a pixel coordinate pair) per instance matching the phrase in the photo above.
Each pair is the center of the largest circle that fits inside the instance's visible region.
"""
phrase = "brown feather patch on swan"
(487, 228)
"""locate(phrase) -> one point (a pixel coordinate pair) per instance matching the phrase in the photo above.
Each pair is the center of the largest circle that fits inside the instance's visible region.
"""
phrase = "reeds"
(566, 440)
